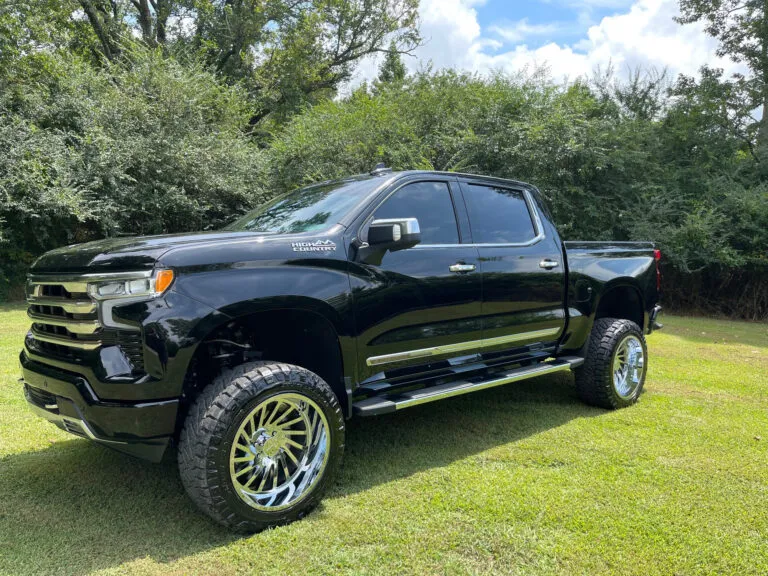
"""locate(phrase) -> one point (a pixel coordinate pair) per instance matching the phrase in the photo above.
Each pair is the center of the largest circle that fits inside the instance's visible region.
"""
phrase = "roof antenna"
(381, 168)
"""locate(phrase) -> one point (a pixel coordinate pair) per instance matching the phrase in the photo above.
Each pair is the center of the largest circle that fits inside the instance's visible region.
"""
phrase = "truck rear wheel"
(260, 445)
(613, 374)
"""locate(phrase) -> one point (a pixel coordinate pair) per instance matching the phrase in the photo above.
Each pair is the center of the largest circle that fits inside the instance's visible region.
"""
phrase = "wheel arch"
(301, 331)
(621, 299)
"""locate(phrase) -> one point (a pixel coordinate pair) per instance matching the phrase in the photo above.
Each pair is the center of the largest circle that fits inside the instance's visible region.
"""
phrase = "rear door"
(523, 275)
(420, 305)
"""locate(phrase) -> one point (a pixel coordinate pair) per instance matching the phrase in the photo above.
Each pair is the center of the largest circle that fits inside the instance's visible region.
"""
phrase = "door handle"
(548, 264)
(462, 267)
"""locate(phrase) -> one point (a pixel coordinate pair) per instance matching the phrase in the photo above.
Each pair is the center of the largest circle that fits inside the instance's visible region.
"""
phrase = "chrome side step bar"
(377, 405)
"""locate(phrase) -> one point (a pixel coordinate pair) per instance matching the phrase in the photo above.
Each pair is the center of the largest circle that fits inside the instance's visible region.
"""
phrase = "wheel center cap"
(268, 444)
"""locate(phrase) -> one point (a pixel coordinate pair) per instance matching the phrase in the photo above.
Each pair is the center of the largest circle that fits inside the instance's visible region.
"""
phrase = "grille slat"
(71, 325)
(59, 306)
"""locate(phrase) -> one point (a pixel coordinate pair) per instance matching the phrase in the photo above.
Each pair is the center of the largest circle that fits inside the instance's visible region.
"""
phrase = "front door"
(419, 305)
(523, 271)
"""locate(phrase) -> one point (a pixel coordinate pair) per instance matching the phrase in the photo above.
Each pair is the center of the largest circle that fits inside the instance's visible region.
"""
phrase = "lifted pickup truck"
(249, 347)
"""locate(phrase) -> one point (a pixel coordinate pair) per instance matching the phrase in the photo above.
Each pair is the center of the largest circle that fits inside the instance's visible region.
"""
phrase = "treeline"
(161, 140)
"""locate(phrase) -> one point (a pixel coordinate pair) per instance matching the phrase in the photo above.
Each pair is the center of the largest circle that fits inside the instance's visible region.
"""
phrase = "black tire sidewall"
(220, 457)
(594, 379)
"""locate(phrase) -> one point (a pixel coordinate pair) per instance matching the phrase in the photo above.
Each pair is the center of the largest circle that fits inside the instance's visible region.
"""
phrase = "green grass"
(521, 479)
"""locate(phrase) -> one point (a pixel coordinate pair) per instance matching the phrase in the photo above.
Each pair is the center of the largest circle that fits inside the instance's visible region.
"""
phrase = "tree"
(716, 107)
(392, 69)
(287, 53)
(144, 147)
(741, 26)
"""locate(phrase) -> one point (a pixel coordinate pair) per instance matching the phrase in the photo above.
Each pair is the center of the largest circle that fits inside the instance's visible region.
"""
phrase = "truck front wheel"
(614, 369)
(260, 445)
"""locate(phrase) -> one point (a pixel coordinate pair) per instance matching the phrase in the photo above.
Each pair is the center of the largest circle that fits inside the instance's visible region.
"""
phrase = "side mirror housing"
(394, 233)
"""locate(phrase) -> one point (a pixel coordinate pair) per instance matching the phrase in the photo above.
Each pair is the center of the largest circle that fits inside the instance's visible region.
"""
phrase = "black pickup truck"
(249, 347)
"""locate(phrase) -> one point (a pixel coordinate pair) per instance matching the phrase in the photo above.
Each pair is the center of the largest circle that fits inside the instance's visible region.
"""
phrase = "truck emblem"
(316, 246)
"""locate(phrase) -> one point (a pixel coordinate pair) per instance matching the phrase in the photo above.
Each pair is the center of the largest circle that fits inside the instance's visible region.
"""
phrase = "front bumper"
(142, 429)
(653, 320)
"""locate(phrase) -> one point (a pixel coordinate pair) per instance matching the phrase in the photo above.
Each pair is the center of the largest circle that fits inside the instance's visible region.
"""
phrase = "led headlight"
(127, 288)
(134, 288)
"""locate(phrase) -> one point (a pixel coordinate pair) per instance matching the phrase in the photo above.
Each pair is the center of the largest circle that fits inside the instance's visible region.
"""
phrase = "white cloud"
(522, 29)
(451, 29)
(642, 34)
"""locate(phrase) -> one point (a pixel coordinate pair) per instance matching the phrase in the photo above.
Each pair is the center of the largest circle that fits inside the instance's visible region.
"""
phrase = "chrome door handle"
(548, 264)
(462, 268)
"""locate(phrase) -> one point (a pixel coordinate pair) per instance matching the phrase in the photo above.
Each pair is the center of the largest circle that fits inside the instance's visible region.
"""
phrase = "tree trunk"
(762, 131)
(103, 35)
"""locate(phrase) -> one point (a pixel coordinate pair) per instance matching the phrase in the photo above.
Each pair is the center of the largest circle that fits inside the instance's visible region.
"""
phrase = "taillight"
(657, 257)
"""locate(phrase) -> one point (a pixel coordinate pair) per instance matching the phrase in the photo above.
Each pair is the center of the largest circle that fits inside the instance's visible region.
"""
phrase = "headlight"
(134, 288)
(126, 288)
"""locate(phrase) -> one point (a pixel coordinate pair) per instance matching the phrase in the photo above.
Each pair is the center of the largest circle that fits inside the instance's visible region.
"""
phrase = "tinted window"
(498, 215)
(307, 209)
(430, 203)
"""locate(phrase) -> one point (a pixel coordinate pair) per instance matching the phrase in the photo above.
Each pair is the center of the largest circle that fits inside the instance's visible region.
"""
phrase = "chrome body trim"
(540, 370)
(85, 278)
(406, 225)
(58, 418)
(68, 285)
(69, 306)
(462, 267)
(460, 347)
(63, 341)
(548, 264)
(73, 326)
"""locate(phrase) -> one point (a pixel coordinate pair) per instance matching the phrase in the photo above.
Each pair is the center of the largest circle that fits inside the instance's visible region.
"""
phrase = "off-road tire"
(209, 430)
(594, 379)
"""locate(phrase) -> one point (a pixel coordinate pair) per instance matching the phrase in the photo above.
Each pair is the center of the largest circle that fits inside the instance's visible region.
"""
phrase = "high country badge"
(316, 246)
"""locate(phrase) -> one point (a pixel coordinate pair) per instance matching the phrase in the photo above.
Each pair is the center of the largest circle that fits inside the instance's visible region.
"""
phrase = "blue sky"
(570, 38)
(563, 21)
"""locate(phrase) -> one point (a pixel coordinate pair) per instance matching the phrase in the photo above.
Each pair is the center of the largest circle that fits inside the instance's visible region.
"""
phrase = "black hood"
(128, 253)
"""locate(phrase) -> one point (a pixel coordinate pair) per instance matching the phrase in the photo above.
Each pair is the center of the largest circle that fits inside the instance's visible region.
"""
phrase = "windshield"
(305, 210)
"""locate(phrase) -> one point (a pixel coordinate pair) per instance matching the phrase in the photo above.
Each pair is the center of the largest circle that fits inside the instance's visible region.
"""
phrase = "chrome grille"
(62, 314)
(66, 326)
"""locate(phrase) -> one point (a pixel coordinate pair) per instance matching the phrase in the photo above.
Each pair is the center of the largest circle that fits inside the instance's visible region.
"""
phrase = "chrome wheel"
(279, 452)
(628, 362)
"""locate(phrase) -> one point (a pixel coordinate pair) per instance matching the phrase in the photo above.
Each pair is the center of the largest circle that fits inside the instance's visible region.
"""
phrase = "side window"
(430, 203)
(498, 215)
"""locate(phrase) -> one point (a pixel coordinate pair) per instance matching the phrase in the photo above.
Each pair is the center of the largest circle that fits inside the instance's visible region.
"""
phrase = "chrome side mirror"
(394, 233)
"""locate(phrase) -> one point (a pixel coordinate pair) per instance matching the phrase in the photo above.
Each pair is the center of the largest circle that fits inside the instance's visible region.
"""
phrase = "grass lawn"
(521, 479)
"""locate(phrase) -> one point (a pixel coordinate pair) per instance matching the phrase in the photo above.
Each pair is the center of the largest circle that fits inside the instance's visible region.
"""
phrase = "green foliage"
(144, 149)
(392, 69)
(741, 27)
(286, 53)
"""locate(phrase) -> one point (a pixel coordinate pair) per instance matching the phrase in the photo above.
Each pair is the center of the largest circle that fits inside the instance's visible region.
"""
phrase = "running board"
(386, 404)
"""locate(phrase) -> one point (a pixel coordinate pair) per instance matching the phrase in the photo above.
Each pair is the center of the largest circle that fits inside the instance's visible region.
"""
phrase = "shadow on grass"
(74, 507)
